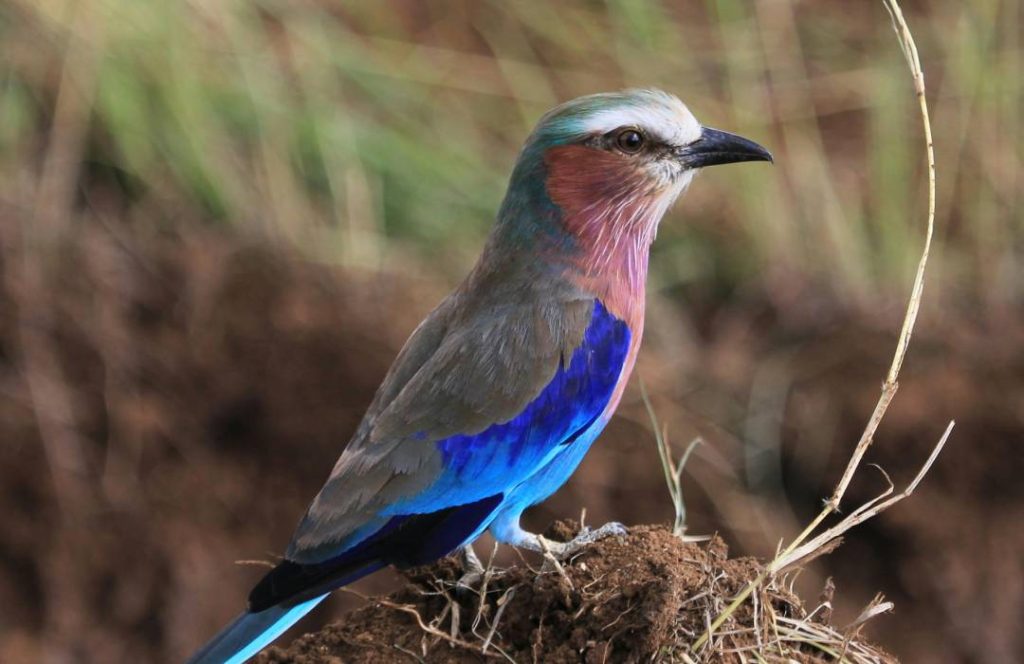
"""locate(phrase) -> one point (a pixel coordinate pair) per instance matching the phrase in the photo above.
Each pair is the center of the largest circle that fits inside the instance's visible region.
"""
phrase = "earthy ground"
(195, 389)
(644, 597)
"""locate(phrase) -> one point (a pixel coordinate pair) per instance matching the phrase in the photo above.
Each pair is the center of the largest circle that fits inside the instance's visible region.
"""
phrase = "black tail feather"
(404, 541)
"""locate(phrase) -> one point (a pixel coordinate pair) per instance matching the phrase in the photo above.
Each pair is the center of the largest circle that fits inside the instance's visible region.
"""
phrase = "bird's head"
(612, 163)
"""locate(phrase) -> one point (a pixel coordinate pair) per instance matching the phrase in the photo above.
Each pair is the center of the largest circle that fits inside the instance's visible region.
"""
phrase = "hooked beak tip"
(720, 147)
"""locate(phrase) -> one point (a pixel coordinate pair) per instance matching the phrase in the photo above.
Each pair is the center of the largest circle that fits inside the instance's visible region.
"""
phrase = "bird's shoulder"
(476, 360)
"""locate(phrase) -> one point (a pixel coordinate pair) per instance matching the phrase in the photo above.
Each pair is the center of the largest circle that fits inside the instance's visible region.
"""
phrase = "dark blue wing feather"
(507, 453)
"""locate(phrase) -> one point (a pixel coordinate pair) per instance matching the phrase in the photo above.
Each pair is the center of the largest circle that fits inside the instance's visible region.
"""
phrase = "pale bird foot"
(559, 551)
(473, 571)
(586, 537)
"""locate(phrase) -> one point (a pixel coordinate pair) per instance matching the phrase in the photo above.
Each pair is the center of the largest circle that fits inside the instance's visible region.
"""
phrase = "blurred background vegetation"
(220, 219)
(355, 130)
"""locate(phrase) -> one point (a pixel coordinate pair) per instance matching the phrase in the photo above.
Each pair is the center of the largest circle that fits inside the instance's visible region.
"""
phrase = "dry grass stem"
(424, 627)
(909, 48)
(866, 511)
(550, 560)
(502, 604)
(673, 471)
(797, 550)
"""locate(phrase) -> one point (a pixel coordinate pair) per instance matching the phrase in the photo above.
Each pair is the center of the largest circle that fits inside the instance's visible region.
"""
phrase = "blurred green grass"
(382, 133)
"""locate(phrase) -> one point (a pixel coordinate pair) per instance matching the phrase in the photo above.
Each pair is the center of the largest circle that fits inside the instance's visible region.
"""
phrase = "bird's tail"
(292, 589)
(251, 632)
(268, 618)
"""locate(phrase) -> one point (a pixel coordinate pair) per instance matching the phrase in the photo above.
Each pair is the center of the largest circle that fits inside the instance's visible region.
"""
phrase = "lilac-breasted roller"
(499, 393)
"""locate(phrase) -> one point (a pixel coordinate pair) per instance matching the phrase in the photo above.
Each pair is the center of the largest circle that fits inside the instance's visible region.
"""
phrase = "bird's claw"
(473, 571)
(610, 529)
(586, 537)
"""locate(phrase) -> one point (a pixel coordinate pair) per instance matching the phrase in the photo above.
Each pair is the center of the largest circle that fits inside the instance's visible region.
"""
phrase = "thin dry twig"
(673, 471)
(503, 603)
(909, 48)
(551, 559)
(424, 627)
(868, 510)
(889, 387)
(876, 607)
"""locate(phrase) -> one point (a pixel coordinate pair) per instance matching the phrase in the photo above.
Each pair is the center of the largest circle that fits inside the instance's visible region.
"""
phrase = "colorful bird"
(499, 393)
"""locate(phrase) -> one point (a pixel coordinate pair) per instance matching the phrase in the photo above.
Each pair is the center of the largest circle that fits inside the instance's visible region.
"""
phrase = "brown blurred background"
(220, 220)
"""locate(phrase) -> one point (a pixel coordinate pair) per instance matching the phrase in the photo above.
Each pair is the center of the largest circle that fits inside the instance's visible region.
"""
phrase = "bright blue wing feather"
(507, 453)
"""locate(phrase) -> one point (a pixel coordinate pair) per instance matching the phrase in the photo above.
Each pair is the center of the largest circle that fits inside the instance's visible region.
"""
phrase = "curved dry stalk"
(866, 511)
(797, 550)
(673, 471)
(909, 48)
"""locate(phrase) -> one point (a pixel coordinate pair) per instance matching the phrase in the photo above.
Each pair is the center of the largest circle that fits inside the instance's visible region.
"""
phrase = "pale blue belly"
(551, 477)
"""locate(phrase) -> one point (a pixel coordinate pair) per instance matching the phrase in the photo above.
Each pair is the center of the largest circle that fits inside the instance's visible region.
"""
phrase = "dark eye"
(629, 141)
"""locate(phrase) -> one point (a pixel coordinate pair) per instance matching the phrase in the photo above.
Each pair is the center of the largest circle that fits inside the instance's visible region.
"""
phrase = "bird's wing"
(476, 402)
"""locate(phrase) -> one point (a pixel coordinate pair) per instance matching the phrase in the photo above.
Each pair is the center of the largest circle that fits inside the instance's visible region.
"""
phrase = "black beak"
(721, 147)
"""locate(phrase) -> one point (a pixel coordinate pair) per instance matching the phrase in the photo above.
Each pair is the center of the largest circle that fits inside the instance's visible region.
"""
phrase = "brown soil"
(631, 599)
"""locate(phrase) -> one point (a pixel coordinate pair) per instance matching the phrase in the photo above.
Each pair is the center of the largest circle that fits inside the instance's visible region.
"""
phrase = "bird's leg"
(508, 531)
(473, 569)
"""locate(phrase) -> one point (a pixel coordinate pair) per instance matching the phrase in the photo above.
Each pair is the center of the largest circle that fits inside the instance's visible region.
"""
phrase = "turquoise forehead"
(653, 110)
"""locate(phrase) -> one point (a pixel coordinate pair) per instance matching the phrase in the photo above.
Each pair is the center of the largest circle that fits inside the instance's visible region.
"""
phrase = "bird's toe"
(610, 529)
(586, 537)
(472, 571)
(615, 528)
(468, 583)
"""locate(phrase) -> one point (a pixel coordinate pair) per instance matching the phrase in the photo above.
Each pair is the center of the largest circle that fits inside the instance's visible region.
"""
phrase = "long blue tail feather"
(251, 632)
(254, 630)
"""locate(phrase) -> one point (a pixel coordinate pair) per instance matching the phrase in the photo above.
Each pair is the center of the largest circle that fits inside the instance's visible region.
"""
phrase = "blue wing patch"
(568, 406)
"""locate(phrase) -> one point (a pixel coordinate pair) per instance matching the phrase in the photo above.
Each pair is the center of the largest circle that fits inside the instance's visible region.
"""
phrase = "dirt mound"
(634, 599)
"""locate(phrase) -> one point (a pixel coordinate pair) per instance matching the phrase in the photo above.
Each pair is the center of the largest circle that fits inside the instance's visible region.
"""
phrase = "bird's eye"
(629, 141)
